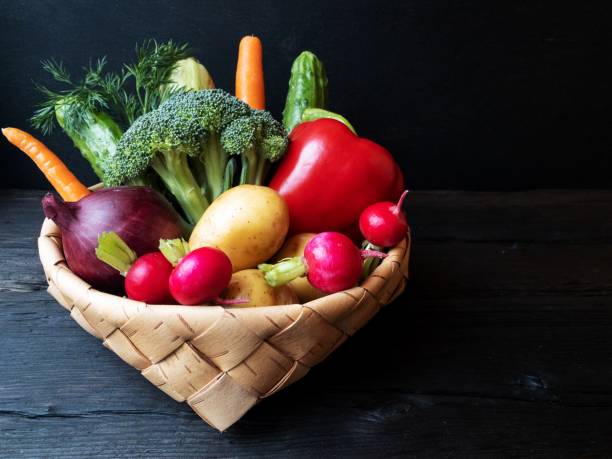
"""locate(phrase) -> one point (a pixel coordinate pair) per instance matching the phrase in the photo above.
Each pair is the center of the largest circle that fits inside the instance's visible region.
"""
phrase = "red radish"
(201, 276)
(384, 223)
(146, 278)
(331, 262)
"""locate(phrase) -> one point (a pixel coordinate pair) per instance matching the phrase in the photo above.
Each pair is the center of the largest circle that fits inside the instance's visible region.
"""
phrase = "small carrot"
(64, 182)
(249, 73)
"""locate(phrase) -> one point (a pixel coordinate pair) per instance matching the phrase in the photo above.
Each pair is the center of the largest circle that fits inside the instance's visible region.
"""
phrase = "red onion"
(139, 215)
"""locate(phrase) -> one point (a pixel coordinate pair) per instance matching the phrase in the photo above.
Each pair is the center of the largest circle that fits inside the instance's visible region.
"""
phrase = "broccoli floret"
(212, 111)
(273, 143)
(259, 139)
(193, 141)
(164, 143)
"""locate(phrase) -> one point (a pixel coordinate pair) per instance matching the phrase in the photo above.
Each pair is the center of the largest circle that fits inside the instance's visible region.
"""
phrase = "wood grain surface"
(500, 346)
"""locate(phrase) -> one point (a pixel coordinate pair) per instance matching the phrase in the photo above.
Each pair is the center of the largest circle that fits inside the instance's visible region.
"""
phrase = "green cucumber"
(96, 137)
(307, 88)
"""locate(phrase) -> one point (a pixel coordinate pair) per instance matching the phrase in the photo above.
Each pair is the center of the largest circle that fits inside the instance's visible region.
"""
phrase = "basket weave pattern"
(222, 361)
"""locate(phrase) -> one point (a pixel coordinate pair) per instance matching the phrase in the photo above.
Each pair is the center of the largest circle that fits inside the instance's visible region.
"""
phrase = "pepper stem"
(113, 251)
(398, 207)
(284, 271)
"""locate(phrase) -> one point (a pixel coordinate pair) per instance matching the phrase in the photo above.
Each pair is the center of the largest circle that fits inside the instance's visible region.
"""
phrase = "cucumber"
(96, 137)
(307, 88)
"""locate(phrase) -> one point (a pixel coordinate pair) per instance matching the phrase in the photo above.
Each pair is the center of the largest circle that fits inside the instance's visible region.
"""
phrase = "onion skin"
(139, 215)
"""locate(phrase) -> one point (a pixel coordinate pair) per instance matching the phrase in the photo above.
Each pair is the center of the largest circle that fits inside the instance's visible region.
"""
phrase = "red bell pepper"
(329, 175)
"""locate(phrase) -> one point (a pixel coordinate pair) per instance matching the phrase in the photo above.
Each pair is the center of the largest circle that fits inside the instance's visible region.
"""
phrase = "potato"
(248, 222)
(251, 284)
(294, 247)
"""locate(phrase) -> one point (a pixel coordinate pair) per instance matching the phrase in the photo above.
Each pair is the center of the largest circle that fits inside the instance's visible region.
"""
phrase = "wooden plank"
(391, 425)
(501, 345)
(533, 216)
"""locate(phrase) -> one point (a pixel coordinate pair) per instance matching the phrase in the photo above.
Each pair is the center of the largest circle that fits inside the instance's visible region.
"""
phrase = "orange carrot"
(64, 182)
(249, 73)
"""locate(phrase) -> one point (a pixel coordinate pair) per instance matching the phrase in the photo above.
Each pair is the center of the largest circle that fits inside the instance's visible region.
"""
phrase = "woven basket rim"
(50, 230)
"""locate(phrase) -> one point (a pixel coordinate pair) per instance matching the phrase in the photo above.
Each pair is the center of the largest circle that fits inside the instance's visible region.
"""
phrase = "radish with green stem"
(384, 223)
(146, 277)
(201, 276)
(331, 262)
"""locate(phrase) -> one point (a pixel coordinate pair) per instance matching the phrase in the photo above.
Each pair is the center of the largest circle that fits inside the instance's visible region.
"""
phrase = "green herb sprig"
(124, 95)
(152, 71)
(78, 98)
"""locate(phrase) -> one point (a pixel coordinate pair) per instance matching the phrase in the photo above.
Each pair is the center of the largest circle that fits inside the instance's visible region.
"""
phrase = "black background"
(467, 95)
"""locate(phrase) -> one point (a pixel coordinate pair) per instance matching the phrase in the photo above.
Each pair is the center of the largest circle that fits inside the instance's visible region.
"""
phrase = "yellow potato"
(248, 222)
(251, 284)
(294, 247)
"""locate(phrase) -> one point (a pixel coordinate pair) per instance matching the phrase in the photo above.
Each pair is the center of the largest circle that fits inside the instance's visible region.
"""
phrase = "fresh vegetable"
(250, 283)
(79, 110)
(200, 276)
(160, 122)
(331, 262)
(174, 249)
(248, 222)
(329, 175)
(139, 215)
(384, 223)
(64, 182)
(311, 114)
(144, 82)
(94, 111)
(194, 271)
(208, 127)
(189, 74)
(249, 73)
(96, 137)
(294, 247)
(146, 278)
(307, 88)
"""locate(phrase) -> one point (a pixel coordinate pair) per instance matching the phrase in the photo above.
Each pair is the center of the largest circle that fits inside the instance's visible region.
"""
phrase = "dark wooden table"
(501, 345)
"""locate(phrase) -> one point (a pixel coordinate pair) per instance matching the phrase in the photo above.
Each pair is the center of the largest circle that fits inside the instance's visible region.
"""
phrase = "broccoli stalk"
(193, 141)
(262, 168)
(259, 140)
(173, 169)
(254, 166)
(214, 158)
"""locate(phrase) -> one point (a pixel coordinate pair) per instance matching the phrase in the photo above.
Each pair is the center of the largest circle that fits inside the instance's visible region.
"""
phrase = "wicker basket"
(222, 361)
